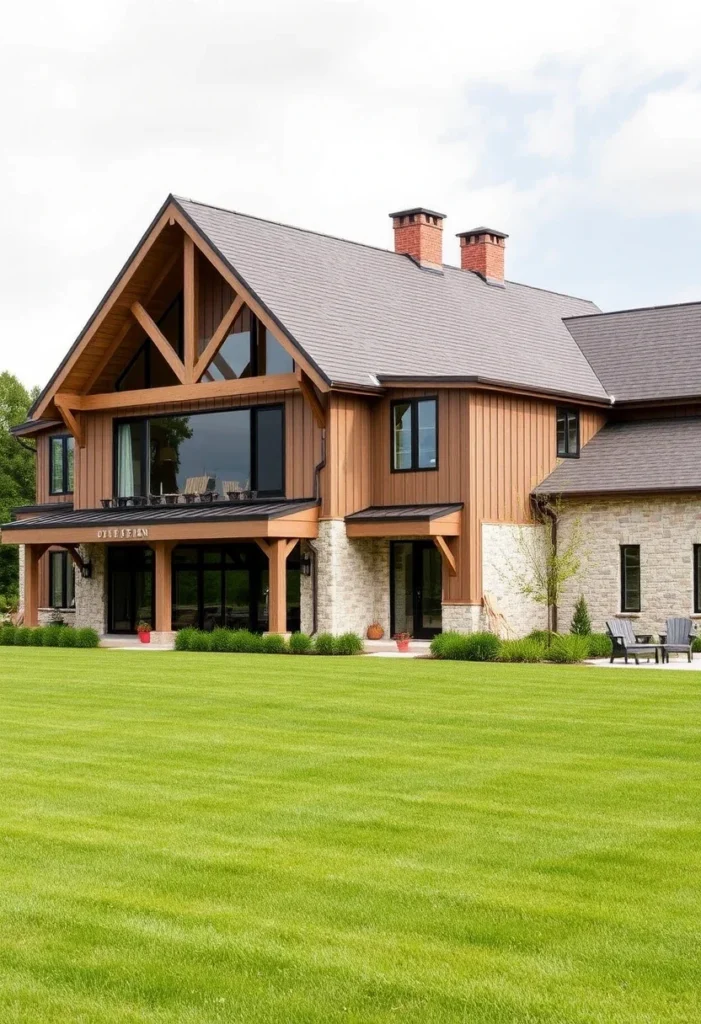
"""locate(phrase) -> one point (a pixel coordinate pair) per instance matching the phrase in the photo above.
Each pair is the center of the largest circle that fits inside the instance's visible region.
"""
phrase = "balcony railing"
(207, 497)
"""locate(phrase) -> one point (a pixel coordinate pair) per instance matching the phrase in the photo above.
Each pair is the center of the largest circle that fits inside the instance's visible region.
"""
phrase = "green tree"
(581, 623)
(17, 472)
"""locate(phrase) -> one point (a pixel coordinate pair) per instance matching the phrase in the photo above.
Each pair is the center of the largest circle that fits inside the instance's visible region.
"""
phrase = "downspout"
(315, 553)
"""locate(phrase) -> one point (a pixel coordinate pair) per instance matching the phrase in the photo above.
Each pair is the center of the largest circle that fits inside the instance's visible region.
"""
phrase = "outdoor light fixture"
(86, 570)
(305, 565)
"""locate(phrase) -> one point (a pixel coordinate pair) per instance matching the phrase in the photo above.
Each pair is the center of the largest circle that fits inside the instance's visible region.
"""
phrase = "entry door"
(416, 588)
(130, 588)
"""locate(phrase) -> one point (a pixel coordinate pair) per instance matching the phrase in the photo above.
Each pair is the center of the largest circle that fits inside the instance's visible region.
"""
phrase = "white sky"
(575, 128)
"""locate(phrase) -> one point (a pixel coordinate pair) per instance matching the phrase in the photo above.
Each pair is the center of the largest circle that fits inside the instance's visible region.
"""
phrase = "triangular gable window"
(248, 351)
(147, 368)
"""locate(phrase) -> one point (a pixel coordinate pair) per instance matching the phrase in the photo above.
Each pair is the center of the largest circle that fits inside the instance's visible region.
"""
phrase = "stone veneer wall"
(91, 595)
(462, 618)
(48, 616)
(352, 582)
(20, 604)
(509, 549)
(665, 527)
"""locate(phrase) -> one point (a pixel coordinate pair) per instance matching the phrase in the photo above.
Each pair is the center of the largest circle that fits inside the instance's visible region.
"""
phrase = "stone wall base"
(91, 594)
(163, 638)
(50, 616)
(352, 582)
(508, 552)
(462, 618)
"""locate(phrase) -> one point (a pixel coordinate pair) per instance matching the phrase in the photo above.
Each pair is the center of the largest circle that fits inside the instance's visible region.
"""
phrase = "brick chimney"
(482, 250)
(419, 233)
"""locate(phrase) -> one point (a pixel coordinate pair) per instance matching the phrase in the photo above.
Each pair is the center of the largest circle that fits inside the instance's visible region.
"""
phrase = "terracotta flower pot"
(375, 631)
(145, 638)
(403, 646)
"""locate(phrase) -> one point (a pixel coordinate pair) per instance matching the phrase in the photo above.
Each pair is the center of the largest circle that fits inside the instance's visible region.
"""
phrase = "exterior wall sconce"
(86, 570)
(305, 564)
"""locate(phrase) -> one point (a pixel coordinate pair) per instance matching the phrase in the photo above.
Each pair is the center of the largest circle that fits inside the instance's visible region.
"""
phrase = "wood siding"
(350, 454)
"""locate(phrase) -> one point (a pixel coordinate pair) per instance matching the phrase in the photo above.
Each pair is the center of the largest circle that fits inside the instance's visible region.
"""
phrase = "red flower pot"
(403, 646)
(145, 638)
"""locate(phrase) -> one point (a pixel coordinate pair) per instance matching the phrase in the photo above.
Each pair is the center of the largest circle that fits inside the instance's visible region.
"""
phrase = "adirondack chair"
(235, 490)
(679, 638)
(625, 641)
(198, 484)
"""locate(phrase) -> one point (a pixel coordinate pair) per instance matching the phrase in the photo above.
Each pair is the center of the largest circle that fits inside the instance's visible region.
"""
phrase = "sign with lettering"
(124, 533)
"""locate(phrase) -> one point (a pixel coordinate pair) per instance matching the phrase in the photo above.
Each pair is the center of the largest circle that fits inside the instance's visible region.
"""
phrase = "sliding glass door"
(416, 587)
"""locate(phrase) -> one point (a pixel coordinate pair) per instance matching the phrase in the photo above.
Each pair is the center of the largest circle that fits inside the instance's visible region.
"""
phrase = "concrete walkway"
(373, 648)
(676, 663)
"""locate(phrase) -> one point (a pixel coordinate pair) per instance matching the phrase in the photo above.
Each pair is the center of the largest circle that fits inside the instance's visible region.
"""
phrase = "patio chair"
(679, 638)
(235, 490)
(198, 484)
(625, 641)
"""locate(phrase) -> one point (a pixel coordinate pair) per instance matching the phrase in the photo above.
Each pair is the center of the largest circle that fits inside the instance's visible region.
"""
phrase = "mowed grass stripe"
(204, 838)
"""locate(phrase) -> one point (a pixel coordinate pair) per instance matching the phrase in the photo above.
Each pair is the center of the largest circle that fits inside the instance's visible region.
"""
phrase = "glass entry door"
(130, 588)
(416, 587)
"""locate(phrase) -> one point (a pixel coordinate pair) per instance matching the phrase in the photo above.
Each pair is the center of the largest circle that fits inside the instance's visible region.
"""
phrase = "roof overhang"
(218, 522)
(476, 382)
(405, 521)
(31, 427)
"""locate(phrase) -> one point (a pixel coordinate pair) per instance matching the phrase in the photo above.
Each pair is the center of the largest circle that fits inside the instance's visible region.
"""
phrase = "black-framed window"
(240, 449)
(61, 463)
(61, 580)
(697, 578)
(568, 433)
(249, 350)
(147, 368)
(630, 577)
(414, 434)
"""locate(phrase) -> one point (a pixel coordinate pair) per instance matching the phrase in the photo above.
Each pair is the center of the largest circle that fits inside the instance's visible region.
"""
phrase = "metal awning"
(406, 521)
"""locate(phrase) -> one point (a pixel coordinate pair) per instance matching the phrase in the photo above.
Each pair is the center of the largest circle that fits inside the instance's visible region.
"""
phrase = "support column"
(277, 551)
(163, 580)
(32, 554)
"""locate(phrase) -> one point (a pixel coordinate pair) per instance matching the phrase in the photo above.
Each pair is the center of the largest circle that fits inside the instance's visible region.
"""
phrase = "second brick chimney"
(419, 233)
(482, 250)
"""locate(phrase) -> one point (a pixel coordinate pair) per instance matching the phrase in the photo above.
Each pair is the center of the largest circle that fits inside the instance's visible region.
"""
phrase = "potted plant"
(402, 640)
(375, 631)
(144, 631)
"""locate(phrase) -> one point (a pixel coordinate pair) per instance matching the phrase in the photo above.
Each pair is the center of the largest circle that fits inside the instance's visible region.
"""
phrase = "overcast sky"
(574, 128)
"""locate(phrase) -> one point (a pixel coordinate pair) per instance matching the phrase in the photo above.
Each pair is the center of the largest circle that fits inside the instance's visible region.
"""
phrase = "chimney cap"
(481, 231)
(418, 209)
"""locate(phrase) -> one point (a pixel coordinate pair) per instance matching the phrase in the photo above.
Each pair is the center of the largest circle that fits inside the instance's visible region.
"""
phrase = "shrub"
(22, 634)
(581, 623)
(36, 636)
(565, 650)
(324, 644)
(543, 636)
(274, 643)
(86, 638)
(347, 644)
(52, 635)
(466, 646)
(183, 638)
(200, 640)
(526, 649)
(66, 636)
(599, 645)
(301, 643)
(7, 636)
(220, 640)
(243, 641)
(696, 645)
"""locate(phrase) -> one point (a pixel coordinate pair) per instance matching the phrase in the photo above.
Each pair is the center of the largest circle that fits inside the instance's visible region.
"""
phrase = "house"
(266, 427)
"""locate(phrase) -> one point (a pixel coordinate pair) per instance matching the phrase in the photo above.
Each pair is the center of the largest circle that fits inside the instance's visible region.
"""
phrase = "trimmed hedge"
(466, 646)
(241, 641)
(48, 636)
(537, 646)
(7, 636)
(525, 650)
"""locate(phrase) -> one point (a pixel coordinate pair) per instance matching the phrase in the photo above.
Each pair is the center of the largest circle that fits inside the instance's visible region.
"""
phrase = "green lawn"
(196, 838)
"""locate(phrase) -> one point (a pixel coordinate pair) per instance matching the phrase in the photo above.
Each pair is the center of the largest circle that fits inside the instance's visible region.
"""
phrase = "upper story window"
(216, 453)
(630, 577)
(414, 434)
(248, 351)
(568, 433)
(61, 464)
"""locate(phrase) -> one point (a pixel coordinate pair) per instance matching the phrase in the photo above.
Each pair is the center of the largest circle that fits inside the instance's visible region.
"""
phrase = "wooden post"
(277, 552)
(163, 575)
(32, 554)
(189, 308)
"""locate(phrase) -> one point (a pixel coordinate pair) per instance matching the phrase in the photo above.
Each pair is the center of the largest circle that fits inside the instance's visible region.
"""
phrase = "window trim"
(413, 403)
(67, 565)
(624, 609)
(568, 410)
(63, 438)
(145, 455)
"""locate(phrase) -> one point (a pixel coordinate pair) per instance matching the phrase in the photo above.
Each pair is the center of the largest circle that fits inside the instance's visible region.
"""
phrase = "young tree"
(581, 623)
(17, 473)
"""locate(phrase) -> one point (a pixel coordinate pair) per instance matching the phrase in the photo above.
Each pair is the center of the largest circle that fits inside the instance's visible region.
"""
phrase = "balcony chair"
(625, 641)
(201, 487)
(235, 491)
(679, 638)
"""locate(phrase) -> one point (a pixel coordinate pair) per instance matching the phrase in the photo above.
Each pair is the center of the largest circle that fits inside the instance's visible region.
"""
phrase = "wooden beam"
(159, 340)
(253, 304)
(75, 555)
(32, 554)
(217, 339)
(311, 397)
(277, 587)
(263, 545)
(189, 308)
(446, 555)
(182, 393)
(115, 344)
(71, 421)
(163, 585)
(446, 526)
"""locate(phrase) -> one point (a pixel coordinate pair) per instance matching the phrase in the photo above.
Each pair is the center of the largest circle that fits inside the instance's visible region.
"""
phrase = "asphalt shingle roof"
(642, 455)
(641, 354)
(360, 312)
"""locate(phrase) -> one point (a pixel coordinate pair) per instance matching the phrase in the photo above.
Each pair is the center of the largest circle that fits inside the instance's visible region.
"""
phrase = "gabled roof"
(640, 455)
(644, 354)
(361, 312)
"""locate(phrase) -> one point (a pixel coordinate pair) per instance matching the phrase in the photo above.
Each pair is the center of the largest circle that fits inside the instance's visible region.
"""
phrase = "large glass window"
(414, 434)
(208, 453)
(147, 367)
(248, 351)
(630, 577)
(567, 433)
(61, 580)
(61, 464)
